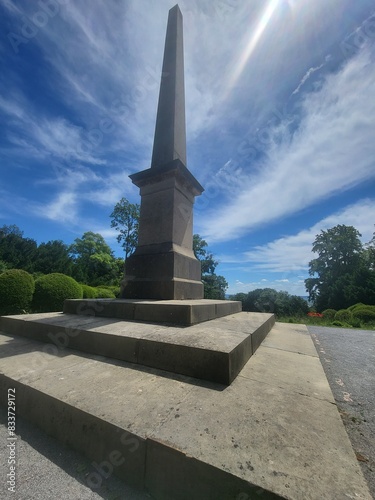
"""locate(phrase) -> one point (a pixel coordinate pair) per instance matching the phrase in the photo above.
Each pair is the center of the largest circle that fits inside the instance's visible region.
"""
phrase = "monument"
(162, 280)
(163, 265)
(138, 385)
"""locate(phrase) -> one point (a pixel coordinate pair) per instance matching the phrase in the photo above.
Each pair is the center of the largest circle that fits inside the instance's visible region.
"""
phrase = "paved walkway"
(46, 469)
(348, 359)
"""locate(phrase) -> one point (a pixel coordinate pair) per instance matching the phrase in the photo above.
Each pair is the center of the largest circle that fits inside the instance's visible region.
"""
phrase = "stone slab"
(267, 435)
(215, 351)
(180, 312)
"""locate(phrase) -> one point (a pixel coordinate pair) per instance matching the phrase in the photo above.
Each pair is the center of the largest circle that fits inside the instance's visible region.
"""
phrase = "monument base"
(178, 312)
(165, 275)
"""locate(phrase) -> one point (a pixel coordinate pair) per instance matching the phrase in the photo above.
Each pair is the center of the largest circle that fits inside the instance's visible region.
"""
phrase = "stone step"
(275, 432)
(214, 351)
(177, 312)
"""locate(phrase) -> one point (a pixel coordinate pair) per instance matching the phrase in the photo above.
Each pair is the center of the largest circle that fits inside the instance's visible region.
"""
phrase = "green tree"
(370, 253)
(53, 257)
(125, 219)
(214, 286)
(339, 274)
(15, 250)
(94, 263)
(271, 301)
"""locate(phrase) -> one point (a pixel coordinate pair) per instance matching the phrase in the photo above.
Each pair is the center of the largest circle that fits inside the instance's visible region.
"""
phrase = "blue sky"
(280, 116)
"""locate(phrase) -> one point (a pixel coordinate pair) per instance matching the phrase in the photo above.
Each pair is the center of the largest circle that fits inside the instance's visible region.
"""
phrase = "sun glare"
(252, 43)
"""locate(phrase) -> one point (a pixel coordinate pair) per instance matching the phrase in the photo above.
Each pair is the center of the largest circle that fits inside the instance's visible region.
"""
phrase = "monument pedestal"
(164, 266)
(177, 312)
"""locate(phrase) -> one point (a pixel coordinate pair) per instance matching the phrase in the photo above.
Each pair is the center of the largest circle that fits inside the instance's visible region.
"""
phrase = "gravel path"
(348, 359)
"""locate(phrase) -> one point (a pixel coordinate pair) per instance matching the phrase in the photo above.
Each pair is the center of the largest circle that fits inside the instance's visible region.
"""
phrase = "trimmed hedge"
(16, 291)
(344, 316)
(104, 293)
(365, 314)
(113, 288)
(356, 306)
(52, 289)
(329, 313)
(89, 292)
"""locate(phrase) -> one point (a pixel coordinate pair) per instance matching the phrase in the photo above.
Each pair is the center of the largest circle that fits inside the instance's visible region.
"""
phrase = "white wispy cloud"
(331, 151)
(293, 253)
(310, 72)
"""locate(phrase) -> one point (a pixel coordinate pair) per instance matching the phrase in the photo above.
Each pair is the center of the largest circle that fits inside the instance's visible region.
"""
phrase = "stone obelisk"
(163, 265)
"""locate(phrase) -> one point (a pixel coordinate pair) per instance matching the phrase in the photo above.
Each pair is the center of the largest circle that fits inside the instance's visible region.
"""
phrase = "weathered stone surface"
(164, 265)
(179, 312)
(170, 129)
(206, 351)
(274, 429)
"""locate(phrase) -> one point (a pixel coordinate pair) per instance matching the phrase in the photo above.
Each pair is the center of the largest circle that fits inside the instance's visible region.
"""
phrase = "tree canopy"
(271, 301)
(125, 219)
(342, 273)
(94, 262)
(215, 286)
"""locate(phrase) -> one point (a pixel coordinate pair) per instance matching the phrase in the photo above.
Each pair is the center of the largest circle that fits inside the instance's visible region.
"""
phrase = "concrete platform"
(215, 351)
(179, 312)
(274, 433)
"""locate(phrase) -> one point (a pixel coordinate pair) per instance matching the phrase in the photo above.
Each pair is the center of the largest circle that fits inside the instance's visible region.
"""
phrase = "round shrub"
(329, 314)
(343, 315)
(16, 291)
(355, 322)
(340, 323)
(89, 292)
(52, 289)
(104, 293)
(365, 314)
(356, 306)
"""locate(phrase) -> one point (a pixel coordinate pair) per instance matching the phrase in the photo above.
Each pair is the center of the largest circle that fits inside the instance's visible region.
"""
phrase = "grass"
(308, 320)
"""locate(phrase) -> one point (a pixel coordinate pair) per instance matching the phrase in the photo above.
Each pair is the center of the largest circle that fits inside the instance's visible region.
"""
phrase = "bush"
(356, 306)
(339, 323)
(355, 323)
(365, 314)
(16, 291)
(113, 288)
(344, 316)
(89, 292)
(329, 314)
(52, 289)
(104, 293)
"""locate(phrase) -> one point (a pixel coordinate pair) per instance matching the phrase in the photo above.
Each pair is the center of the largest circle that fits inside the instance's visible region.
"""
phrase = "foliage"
(88, 292)
(356, 306)
(3, 266)
(343, 315)
(52, 289)
(116, 290)
(53, 257)
(340, 324)
(365, 314)
(215, 286)
(208, 263)
(329, 314)
(16, 291)
(94, 262)
(15, 250)
(104, 293)
(340, 274)
(125, 219)
(272, 301)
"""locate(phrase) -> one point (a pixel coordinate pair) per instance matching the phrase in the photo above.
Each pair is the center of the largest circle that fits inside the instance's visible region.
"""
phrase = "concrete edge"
(179, 313)
(205, 364)
(144, 463)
